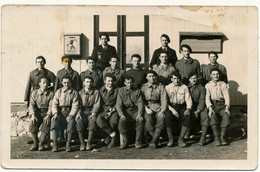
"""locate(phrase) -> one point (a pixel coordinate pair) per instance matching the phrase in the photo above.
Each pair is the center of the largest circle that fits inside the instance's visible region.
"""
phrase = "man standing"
(180, 104)
(113, 69)
(96, 74)
(136, 72)
(102, 52)
(40, 114)
(164, 69)
(218, 104)
(130, 107)
(213, 56)
(107, 120)
(187, 65)
(198, 94)
(67, 70)
(34, 76)
(88, 111)
(65, 105)
(172, 57)
(155, 106)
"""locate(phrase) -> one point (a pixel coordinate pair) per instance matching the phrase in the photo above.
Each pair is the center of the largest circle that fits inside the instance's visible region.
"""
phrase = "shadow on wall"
(84, 48)
(236, 97)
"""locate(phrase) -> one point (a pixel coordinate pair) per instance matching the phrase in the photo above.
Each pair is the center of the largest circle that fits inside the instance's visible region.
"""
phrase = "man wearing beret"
(187, 65)
(164, 69)
(40, 114)
(114, 69)
(33, 80)
(65, 105)
(130, 107)
(180, 104)
(172, 57)
(198, 93)
(107, 119)
(96, 74)
(102, 52)
(87, 113)
(67, 70)
(218, 104)
(213, 56)
(155, 106)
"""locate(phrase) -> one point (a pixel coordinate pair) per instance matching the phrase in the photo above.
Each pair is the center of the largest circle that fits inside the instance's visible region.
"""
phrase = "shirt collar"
(43, 70)
(214, 83)
(69, 90)
(138, 68)
(69, 70)
(42, 92)
(214, 66)
(151, 85)
(189, 60)
(116, 70)
(91, 91)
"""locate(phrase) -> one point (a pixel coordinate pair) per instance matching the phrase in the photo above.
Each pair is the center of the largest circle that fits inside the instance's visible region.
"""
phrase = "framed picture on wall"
(72, 44)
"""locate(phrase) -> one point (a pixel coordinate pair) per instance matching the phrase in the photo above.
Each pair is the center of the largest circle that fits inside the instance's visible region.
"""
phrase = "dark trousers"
(130, 115)
(152, 122)
(85, 122)
(220, 117)
(39, 125)
(108, 124)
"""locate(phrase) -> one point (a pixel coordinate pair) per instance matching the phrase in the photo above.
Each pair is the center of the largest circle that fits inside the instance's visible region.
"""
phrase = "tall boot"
(222, 136)
(55, 142)
(187, 135)
(216, 135)
(34, 147)
(203, 135)
(123, 141)
(155, 138)
(89, 143)
(138, 143)
(181, 141)
(170, 137)
(82, 141)
(113, 140)
(48, 140)
(68, 144)
(42, 139)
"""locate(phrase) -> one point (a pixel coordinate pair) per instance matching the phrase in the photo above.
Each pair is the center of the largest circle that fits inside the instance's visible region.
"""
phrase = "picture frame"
(72, 44)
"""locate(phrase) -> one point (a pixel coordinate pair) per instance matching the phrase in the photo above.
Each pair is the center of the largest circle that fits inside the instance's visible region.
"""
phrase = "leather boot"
(89, 143)
(187, 135)
(55, 142)
(82, 141)
(216, 135)
(34, 147)
(170, 137)
(68, 144)
(156, 136)
(123, 141)
(113, 140)
(181, 141)
(203, 135)
(138, 143)
(48, 140)
(42, 139)
(222, 136)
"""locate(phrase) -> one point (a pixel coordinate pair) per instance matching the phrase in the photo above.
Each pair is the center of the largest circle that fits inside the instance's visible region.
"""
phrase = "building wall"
(31, 31)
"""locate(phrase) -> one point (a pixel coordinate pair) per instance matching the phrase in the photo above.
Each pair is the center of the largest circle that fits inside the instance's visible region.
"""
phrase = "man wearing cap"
(218, 104)
(164, 69)
(213, 56)
(114, 69)
(96, 74)
(65, 105)
(67, 70)
(88, 111)
(107, 120)
(198, 93)
(40, 114)
(172, 57)
(102, 52)
(33, 80)
(187, 65)
(137, 72)
(155, 106)
(180, 104)
(130, 107)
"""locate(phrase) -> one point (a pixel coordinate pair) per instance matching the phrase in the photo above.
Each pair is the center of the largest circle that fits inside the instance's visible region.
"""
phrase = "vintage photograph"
(143, 84)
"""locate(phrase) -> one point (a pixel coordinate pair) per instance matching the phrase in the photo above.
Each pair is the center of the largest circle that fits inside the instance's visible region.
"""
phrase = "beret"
(192, 74)
(151, 71)
(176, 74)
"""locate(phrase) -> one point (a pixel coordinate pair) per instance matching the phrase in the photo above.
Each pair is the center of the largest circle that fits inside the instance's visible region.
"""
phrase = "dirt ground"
(237, 149)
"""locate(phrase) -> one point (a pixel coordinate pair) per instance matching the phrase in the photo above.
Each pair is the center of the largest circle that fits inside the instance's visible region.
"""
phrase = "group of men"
(108, 98)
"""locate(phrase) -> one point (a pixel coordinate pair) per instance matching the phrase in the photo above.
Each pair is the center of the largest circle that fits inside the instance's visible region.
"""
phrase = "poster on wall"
(72, 44)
